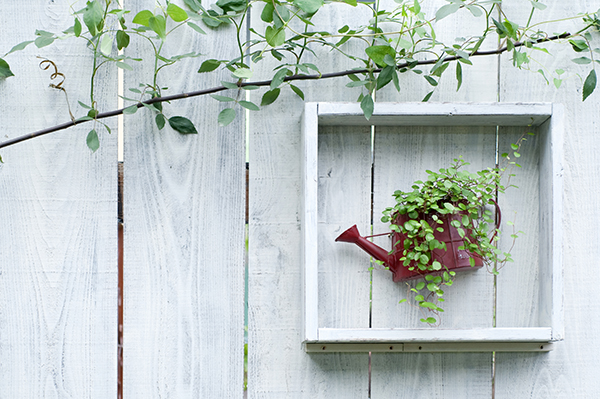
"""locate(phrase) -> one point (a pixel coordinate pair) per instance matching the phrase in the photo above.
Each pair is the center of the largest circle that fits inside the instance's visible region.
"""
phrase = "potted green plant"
(444, 225)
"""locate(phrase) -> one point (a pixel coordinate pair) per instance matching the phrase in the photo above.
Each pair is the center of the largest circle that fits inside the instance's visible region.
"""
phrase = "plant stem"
(217, 89)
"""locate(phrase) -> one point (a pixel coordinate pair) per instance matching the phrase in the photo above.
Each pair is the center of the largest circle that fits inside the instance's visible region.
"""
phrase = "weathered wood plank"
(184, 238)
(58, 247)
(278, 365)
(475, 334)
(518, 283)
(344, 199)
(568, 371)
(463, 375)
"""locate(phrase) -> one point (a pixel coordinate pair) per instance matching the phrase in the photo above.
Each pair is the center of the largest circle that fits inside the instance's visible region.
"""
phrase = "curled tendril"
(45, 65)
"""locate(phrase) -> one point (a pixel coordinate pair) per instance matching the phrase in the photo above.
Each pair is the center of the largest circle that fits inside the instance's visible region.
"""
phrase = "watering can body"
(452, 258)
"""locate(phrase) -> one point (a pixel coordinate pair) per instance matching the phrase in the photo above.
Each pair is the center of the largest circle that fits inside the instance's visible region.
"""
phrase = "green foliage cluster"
(400, 40)
(460, 197)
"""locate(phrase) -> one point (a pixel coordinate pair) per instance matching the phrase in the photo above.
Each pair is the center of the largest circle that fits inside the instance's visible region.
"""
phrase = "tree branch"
(217, 89)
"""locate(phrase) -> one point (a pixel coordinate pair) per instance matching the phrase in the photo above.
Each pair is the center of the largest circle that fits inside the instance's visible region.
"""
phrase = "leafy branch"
(407, 43)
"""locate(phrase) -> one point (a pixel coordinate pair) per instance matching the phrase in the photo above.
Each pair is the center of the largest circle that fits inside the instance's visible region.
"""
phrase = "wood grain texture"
(184, 237)
(518, 284)
(402, 155)
(58, 247)
(344, 199)
(567, 371)
(278, 365)
(449, 375)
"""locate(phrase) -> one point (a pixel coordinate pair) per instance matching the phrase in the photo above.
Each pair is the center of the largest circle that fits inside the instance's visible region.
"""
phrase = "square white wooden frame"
(550, 120)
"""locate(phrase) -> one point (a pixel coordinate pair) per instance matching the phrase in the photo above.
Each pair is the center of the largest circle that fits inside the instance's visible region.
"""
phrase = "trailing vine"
(392, 42)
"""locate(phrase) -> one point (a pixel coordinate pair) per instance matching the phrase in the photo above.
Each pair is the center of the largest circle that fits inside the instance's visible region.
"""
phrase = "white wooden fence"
(184, 235)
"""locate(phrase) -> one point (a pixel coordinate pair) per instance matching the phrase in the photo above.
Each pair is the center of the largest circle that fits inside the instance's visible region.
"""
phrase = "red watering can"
(453, 259)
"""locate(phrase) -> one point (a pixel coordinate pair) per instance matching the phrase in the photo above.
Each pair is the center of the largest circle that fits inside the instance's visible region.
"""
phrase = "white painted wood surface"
(401, 156)
(58, 274)
(483, 334)
(431, 347)
(184, 237)
(569, 370)
(58, 247)
(278, 366)
(446, 375)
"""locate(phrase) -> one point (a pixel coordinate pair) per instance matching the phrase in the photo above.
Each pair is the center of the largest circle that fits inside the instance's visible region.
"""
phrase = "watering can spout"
(352, 236)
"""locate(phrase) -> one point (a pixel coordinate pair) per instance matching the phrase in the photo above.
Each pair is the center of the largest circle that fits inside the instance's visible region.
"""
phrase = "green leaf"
(222, 98)
(226, 116)
(298, 92)
(581, 60)
(20, 46)
(77, 27)
(159, 25)
(196, 28)
(427, 97)
(270, 97)
(209, 65)
(39, 32)
(249, 105)
(124, 65)
(44, 41)
(182, 125)
(230, 85)
(275, 37)
(92, 140)
(367, 106)
(557, 83)
(589, 85)
(93, 17)
(132, 109)
(194, 5)
(579, 45)
(5, 71)
(396, 81)
(431, 80)
(176, 13)
(439, 69)
(389, 60)
(242, 73)
(122, 39)
(160, 121)
(446, 10)
(278, 78)
(232, 5)
(402, 301)
(267, 13)
(476, 11)
(106, 45)
(536, 4)
(309, 6)
(458, 75)
(143, 18)
(210, 18)
(416, 7)
(385, 76)
(378, 53)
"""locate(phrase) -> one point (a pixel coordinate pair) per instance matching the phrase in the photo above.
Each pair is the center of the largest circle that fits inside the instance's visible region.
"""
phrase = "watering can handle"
(499, 219)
